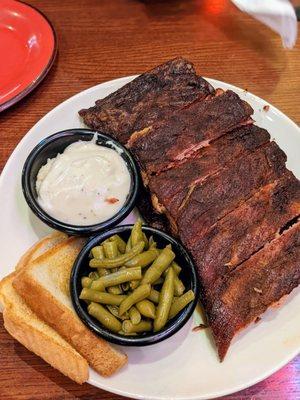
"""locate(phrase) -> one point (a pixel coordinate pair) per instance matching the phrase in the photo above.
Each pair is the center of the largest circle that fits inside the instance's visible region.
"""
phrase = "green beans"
(134, 286)
(143, 326)
(165, 301)
(138, 294)
(102, 272)
(152, 244)
(117, 278)
(146, 308)
(154, 296)
(115, 289)
(178, 286)
(118, 261)
(101, 297)
(94, 275)
(98, 252)
(120, 243)
(180, 302)
(86, 282)
(137, 233)
(134, 315)
(105, 317)
(115, 311)
(162, 262)
(143, 259)
(128, 245)
(110, 250)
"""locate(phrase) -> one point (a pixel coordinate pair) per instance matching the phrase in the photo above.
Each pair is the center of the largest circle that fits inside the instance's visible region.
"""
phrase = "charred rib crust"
(149, 97)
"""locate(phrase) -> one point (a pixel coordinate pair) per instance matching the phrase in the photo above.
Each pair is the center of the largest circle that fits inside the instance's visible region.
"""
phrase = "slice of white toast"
(37, 336)
(44, 285)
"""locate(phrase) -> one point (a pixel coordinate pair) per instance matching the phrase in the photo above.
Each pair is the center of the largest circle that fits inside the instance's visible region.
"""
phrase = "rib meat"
(221, 193)
(182, 133)
(172, 186)
(246, 229)
(146, 99)
(255, 285)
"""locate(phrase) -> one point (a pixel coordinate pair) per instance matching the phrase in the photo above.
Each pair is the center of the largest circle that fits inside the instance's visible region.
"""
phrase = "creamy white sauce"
(84, 185)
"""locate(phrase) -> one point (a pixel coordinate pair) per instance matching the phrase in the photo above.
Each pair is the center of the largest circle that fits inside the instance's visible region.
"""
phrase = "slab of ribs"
(215, 180)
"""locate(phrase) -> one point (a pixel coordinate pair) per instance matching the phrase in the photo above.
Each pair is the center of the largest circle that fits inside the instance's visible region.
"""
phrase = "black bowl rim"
(178, 322)
(85, 230)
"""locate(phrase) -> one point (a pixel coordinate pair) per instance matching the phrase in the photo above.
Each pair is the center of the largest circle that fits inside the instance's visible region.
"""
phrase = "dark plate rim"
(44, 72)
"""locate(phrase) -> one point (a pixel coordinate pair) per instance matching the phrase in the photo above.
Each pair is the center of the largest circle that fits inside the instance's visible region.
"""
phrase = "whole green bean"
(105, 317)
(117, 278)
(180, 302)
(86, 282)
(94, 275)
(143, 259)
(146, 308)
(138, 294)
(157, 268)
(110, 250)
(134, 315)
(143, 326)
(154, 296)
(101, 297)
(137, 233)
(98, 252)
(165, 301)
(178, 286)
(118, 261)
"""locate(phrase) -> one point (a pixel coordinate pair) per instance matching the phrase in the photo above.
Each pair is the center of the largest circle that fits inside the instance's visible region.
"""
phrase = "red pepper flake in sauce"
(199, 327)
(266, 108)
(111, 200)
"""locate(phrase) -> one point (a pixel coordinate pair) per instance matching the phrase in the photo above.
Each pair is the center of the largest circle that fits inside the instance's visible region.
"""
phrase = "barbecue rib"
(255, 285)
(172, 186)
(168, 142)
(146, 99)
(222, 193)
(246, 229)
(221, 185)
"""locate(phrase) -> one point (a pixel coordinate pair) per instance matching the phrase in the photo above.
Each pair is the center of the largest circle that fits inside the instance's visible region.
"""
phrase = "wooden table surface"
(104, 39)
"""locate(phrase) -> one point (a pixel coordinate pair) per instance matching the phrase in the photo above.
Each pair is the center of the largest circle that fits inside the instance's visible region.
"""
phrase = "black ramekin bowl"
(49, 148)
(188, 275)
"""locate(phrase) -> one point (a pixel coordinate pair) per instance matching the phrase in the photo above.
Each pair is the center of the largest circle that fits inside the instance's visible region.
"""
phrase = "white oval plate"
(185, 366)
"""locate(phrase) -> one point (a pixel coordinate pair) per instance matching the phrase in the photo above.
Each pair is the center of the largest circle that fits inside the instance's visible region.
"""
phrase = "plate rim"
(105, 385)
(34, 83)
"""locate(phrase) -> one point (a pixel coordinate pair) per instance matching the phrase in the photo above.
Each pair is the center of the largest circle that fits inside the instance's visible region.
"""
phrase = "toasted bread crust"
(99, 354)
(38, 337)
(64, 359)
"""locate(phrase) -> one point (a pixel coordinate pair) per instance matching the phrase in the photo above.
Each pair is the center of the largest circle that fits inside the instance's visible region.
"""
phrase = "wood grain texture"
(104, 39)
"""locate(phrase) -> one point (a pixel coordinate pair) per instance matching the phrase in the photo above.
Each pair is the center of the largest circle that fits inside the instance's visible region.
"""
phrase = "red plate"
(27, 50)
